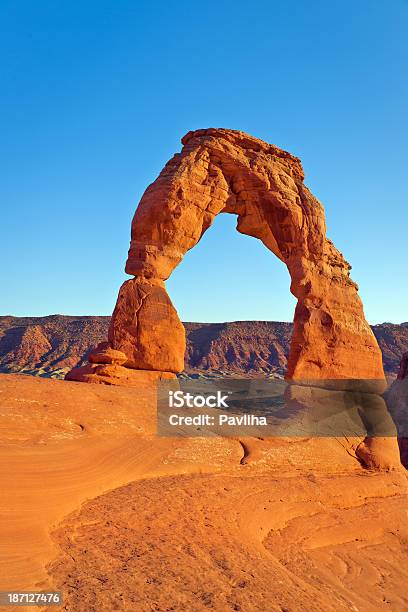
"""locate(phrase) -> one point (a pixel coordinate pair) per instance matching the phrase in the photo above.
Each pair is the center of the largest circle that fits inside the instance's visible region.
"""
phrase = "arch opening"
(229, 276)
(233, 297)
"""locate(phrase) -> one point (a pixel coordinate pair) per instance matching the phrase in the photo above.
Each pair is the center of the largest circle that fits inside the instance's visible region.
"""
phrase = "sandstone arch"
(221, 170)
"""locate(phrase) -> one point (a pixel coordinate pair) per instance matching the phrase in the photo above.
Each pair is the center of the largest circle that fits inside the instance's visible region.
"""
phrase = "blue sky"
(96, 96)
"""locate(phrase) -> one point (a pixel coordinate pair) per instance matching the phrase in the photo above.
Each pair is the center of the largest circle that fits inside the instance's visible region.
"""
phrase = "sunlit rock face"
(226, 171)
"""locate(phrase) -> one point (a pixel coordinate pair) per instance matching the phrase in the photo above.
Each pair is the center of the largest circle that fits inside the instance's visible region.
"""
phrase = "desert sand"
(96, 505)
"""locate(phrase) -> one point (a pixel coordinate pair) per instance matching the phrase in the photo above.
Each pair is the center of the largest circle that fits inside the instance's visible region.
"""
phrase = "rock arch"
(228, 171)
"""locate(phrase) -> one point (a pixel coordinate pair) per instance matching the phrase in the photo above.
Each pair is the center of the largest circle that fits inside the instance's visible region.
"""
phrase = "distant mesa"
(240, 348)
(226, 171)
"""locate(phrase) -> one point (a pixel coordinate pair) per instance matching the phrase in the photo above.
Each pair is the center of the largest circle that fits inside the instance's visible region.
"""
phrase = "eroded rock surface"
(146, 328)
(147, 522)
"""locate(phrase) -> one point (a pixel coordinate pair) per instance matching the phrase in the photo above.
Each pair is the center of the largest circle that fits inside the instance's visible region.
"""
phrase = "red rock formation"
(228, 171)
(146, 339)
(146, 327)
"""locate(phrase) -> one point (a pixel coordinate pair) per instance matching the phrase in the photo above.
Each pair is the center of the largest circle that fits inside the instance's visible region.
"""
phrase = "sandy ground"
(94, 504)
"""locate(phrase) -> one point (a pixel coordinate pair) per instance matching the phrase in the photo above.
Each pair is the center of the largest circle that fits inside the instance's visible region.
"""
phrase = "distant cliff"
(50, 346)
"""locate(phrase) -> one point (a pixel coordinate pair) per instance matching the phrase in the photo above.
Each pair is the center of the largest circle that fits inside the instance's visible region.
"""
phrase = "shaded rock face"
(403, 369)
(397, 400)
(228, 171)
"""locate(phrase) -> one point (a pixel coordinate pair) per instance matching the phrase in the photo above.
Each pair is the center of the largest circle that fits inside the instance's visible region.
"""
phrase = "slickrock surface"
(95, 504)
(298, 542)
(59, 343)
(226, 171)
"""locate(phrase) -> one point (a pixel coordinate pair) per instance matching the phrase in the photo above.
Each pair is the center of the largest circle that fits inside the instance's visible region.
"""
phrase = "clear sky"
(95, 96)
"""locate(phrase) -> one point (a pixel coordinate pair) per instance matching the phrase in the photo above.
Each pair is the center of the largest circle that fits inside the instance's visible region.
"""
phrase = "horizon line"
(11, 316)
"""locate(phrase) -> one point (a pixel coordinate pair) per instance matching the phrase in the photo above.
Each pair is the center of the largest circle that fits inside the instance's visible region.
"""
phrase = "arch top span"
(227, 171)
(221, 170)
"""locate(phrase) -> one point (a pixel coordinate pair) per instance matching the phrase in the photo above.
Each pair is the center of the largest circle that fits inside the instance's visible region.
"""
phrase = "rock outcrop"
(146, 327)
(227, 171)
